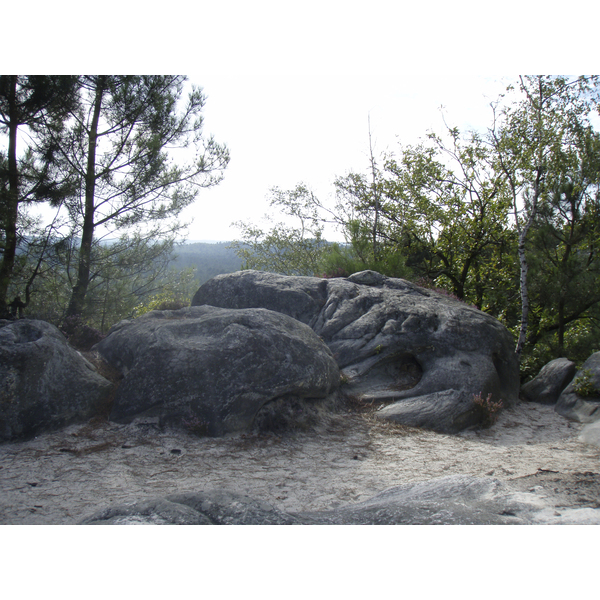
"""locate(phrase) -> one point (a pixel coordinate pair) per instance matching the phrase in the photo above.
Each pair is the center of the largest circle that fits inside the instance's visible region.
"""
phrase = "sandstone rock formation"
(580, 401)
(423, 354)
(44, 383)
(203, 508)
(211, 369)
(549, 383)
(453, 500)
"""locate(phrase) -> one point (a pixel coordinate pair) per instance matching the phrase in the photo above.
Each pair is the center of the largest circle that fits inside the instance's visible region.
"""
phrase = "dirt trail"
(65, 476)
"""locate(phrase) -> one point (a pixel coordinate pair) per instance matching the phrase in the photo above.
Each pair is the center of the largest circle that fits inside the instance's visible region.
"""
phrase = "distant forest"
(207, 259)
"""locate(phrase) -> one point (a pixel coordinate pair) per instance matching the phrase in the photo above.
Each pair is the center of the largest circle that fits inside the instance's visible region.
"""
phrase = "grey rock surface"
(44, 383)
(549, 383)
(422, 353)
(202, 508)
(590, 434)
(212, 370)
(453, 500)
(585, 409)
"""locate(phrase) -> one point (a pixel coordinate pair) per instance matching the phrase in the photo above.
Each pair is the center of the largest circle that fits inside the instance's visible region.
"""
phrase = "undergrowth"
(584, 385)
(491, 410)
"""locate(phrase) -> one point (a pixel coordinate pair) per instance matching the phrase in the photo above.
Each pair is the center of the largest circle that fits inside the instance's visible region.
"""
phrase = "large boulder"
(580, 401)
(44, 383)
(436, 362)
(549, 383)
(212, 370)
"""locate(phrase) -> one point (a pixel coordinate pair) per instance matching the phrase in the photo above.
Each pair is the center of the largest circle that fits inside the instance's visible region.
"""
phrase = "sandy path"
(65, 476)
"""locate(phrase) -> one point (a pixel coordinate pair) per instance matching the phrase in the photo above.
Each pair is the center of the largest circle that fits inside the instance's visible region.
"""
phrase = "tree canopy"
(25, 177)
(504, 218)
(121, 156)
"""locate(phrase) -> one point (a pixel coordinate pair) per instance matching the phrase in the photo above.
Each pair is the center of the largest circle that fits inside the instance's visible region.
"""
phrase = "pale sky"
(291, 85)
(291, 127)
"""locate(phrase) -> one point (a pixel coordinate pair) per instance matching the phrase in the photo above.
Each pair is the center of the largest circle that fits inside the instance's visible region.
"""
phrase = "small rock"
(585, 409)
(552, 379)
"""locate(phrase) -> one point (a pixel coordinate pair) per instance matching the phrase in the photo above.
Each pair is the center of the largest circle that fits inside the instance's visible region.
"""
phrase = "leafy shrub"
(584, 386)
(342, 260)
(164, 301)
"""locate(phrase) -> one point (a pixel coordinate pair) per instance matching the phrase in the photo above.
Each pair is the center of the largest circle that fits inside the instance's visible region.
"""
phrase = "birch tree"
(535, 140)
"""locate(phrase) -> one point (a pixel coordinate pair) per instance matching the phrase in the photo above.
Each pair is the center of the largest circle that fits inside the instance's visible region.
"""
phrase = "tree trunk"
(563, 289)
(561, 327)
(77, 301)
(524, 294)
(376, 199)
(523, 261)
(539, 174)
(12, 203)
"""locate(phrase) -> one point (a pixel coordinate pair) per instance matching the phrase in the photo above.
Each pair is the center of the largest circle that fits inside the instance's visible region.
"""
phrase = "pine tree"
(33, 103)
(124, 145)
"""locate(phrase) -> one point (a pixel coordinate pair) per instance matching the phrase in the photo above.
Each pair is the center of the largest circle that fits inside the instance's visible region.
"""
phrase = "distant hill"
(208, 259)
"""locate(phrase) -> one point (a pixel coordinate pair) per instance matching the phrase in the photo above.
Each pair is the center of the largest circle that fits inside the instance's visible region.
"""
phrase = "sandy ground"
(61, 478)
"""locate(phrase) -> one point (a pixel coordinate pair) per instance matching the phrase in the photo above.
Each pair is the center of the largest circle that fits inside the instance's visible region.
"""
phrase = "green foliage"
(118, 143)
(340, 260)
(106, 151)
(436, 211)
(445, 206)
(127, 281)
(286, 249)
(507, 220)
(172, 291)
(566, 262)
(30, 107)
(165, 300)
(124, 282)
(541, 141)
(584, 384)
(459, 210)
